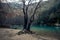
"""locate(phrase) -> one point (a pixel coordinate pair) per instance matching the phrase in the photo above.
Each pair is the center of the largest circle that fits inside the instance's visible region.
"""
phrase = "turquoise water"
(39, 28)
(45, 28)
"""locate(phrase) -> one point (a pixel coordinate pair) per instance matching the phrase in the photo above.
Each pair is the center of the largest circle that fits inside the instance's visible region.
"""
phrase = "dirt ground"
(11, 34)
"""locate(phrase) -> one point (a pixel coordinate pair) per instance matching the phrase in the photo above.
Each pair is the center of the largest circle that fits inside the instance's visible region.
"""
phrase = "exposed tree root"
(25, 32)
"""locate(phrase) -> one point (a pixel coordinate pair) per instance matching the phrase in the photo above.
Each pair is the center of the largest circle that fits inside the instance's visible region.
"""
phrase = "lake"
(38, 28)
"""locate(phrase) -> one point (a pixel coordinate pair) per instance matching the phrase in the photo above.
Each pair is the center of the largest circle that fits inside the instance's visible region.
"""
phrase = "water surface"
(39, 28)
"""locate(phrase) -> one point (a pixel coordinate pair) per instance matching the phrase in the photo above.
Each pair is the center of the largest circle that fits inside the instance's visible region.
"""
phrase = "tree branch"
(32, 17)
(23, 6)
(28, 6)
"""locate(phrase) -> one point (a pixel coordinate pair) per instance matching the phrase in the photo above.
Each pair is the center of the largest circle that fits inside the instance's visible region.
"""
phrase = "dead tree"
(27, 24)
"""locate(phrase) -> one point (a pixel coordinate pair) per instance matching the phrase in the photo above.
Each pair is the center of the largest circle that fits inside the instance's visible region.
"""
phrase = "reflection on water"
(38, 28)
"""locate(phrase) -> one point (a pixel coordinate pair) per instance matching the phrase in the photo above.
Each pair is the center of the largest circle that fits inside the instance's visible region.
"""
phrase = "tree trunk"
(25, 22)
(28, 27)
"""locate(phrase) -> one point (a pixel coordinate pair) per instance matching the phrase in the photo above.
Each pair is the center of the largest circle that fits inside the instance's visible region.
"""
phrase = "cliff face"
(51, 13)
(12, 12)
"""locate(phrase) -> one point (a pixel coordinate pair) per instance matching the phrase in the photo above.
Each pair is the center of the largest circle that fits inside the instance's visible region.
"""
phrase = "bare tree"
(27, 24)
